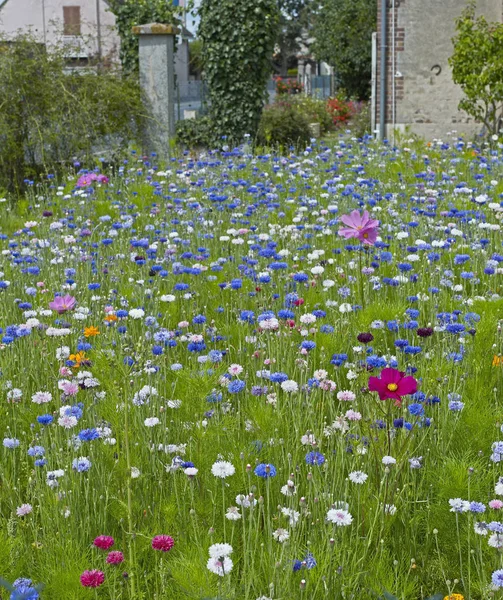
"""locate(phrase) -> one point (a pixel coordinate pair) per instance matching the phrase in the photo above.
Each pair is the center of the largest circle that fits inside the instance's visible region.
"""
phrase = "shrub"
(314, 110)
(288, 86)
(48, 117)
(283, 124)
(340, 110)
(360, 123)
(195, 132)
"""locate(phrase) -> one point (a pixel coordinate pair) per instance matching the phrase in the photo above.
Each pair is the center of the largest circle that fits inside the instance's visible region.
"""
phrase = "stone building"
(85, 27)
(419, 92)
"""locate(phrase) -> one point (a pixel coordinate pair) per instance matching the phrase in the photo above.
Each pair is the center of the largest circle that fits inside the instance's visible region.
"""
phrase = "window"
(71, 20)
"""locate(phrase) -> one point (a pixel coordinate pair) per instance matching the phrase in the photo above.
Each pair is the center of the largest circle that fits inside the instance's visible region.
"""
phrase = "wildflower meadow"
(255, 377)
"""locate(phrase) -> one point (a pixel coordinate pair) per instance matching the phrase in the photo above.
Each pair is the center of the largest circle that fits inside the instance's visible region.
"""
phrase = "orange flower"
(455, 597)
(497, 360)
(91, 331)
(78, 359)
(110, 318)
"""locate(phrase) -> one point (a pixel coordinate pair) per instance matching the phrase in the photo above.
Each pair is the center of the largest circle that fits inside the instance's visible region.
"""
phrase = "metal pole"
(98, 24)
(393, 70)
(382, 86)
(43, 22)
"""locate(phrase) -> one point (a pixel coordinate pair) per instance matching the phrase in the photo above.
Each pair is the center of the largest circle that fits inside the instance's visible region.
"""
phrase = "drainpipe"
(393, 70)
(98, 25)
(382, 85)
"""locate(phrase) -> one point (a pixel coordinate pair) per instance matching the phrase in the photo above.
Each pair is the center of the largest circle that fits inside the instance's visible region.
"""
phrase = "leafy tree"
(238, 40)
(294, 18)
(129, 13)
(477, 66)
(49, 117)
(343, 31)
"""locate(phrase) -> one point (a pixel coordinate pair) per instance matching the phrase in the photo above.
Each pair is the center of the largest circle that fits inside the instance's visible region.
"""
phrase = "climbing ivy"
(129, 13)
(238, 42)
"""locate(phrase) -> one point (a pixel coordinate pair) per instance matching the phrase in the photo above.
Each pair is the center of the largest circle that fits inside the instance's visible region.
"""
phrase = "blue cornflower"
(265, 471)
(477, 507)
(87, 435)
(495, 527)
(315, 458)
(497, 578)
(36, 451)
(456, 405)
(11, 443)
(81, 465)
(215, 356)
(45, 419)
(416, 409)
(236, 386)
(278, 377)
(214, 396)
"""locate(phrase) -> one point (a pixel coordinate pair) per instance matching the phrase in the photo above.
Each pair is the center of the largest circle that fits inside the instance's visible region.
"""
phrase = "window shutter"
(71, 20)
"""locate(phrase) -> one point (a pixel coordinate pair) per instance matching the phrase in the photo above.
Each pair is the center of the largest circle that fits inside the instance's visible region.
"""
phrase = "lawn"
(218, 381)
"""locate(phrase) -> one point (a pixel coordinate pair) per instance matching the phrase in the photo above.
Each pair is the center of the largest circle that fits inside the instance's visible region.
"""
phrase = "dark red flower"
(163, 542)
(393, 384)
(104, 542)
(425, 332)
(115, 558)
(365, 338)
(92, 578)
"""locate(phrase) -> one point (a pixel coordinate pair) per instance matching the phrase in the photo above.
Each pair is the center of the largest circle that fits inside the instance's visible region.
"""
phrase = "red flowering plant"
(288, 86)
(340, 110)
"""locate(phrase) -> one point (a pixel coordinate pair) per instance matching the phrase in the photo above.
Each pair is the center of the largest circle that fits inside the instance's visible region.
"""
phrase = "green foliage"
(314, 110)
(283, 124)
(196, 57)
(295, 17)
(477, 66)
(48, 116)
(129, 13)
(343, 31)
(238, 39)
(360, 123)
(192, 133)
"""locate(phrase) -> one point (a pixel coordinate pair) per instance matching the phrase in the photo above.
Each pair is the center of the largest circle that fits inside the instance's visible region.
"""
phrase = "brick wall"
(426, 97)
(399, 47)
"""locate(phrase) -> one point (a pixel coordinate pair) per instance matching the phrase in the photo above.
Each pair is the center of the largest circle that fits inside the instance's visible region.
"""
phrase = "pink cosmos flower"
(61, 304)
(163, 542)
(104, 542)
(92, 578)
(393, 385)
(359, 226)
(90, 178)
(496, 504)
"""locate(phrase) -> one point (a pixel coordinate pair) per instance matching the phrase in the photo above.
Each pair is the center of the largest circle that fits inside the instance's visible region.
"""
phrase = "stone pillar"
(157, 80)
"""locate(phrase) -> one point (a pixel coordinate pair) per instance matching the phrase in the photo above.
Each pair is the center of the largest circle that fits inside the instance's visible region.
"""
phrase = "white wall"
(45, 19)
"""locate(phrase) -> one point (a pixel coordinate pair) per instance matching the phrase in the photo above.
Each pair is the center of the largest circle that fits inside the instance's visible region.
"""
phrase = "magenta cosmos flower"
(359, 226)
(92, 578)
(63, 303)
(393, 385)
(163, 542)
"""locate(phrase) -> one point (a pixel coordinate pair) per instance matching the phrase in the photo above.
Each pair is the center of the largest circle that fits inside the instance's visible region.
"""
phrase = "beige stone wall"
(426, 102)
